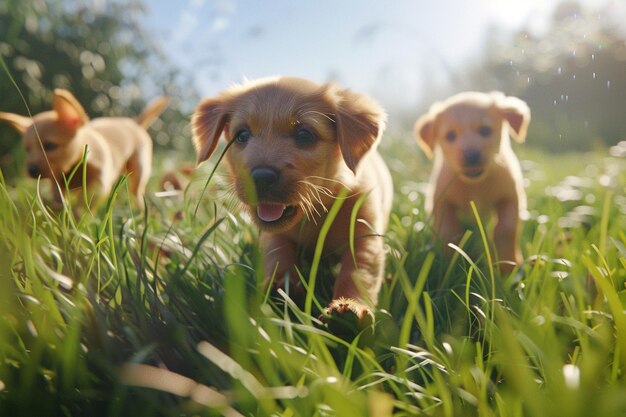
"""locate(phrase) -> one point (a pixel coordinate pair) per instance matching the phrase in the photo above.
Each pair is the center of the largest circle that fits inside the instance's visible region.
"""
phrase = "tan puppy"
(469, 134)
(295, 145)
(55, 142)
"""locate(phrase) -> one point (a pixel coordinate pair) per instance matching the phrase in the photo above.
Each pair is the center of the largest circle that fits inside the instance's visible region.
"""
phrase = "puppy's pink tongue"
(270, 212)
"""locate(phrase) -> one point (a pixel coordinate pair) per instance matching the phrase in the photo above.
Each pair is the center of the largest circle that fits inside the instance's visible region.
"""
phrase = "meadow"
(120, 312)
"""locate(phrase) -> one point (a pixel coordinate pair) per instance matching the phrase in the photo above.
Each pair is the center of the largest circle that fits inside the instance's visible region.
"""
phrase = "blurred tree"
(98, 50)
(573, 77)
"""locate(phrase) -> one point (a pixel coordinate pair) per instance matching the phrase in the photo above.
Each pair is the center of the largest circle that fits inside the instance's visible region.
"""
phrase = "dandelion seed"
(559, 70)
(594, 75)
(608, 84)
(418, 227)
(571, 374)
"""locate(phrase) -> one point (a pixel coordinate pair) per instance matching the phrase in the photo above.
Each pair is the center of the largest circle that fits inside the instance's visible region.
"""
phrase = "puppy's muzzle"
(472, 158)
(473, 164)
(33, 171)
(265, 181)
(271, 209)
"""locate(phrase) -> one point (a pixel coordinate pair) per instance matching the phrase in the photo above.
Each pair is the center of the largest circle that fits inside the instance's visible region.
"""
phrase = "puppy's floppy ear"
(517, 113)
(360, 121)
(207, 124)
(425, 134)
(18, 122)
(70, 113)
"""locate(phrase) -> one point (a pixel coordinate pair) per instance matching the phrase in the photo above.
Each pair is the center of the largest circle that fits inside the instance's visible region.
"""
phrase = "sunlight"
(512, 13)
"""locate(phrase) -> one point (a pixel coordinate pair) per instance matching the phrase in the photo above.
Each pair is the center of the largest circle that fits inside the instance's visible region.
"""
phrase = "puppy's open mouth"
(272, 213)
(473, 172)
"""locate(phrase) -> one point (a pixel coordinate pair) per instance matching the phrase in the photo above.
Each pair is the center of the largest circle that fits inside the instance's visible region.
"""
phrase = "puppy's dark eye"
(485, 131)
(451, 136)
(304, 137)
(243, 136)
(49, 146)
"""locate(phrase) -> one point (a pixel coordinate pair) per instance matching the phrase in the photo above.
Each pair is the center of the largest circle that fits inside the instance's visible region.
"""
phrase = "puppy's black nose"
(264, 178)
(472, 157)
(33, 171)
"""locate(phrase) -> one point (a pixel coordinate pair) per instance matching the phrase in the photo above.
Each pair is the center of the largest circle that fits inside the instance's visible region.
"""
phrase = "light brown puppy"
(469, 135)
(55, 142)
(295, 145)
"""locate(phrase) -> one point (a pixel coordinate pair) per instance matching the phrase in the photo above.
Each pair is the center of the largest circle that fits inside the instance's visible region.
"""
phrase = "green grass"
(117, 313)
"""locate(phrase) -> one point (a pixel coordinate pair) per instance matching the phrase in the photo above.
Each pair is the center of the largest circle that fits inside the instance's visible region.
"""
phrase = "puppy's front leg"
(360, 277)
(279, 256)
(447, 225)
(505, 233)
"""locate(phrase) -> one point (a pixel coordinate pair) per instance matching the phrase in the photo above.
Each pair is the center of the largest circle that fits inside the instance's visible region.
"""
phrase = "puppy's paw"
(346, 318)
(341, 306)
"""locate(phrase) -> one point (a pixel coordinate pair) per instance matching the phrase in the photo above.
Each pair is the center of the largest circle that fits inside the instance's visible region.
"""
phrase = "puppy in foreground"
(295, 145)
(469, 136)
(55, 143)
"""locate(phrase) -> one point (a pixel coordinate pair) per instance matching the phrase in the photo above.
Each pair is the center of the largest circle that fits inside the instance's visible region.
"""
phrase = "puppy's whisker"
(312, 195)
(330, 180)
(305, 205)
(314, 206)
(319, 188)
(325, 179)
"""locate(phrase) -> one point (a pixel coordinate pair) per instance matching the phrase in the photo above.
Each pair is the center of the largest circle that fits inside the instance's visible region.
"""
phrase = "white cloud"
(226, 6)
(219, 24)
(185, 27)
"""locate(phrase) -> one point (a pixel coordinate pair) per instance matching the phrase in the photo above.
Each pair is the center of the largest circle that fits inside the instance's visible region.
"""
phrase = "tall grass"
(120, 312)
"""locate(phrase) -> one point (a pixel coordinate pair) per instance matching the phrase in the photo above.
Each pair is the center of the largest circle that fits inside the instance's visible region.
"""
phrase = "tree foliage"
(97, 50)
(573, 76)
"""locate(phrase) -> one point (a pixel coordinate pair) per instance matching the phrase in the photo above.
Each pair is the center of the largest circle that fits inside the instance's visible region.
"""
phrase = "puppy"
(469, 134)
(177, 179)
(56, 140)
(294, 145)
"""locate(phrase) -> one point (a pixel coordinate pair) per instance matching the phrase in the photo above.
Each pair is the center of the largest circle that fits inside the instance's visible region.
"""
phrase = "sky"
(389, 49)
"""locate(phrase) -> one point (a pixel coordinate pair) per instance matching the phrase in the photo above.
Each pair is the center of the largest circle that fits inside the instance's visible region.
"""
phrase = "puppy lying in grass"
(469, 134)
(55, 143)
(295, 145)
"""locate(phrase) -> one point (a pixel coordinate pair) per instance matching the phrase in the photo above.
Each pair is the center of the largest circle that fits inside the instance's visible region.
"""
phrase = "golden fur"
(469, 135)
(295, 145)
(55, 142)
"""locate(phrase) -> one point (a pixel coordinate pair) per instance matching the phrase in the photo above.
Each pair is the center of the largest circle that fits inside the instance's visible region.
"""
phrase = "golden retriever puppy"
(294, 145)
(469, 135)
(56, 140)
